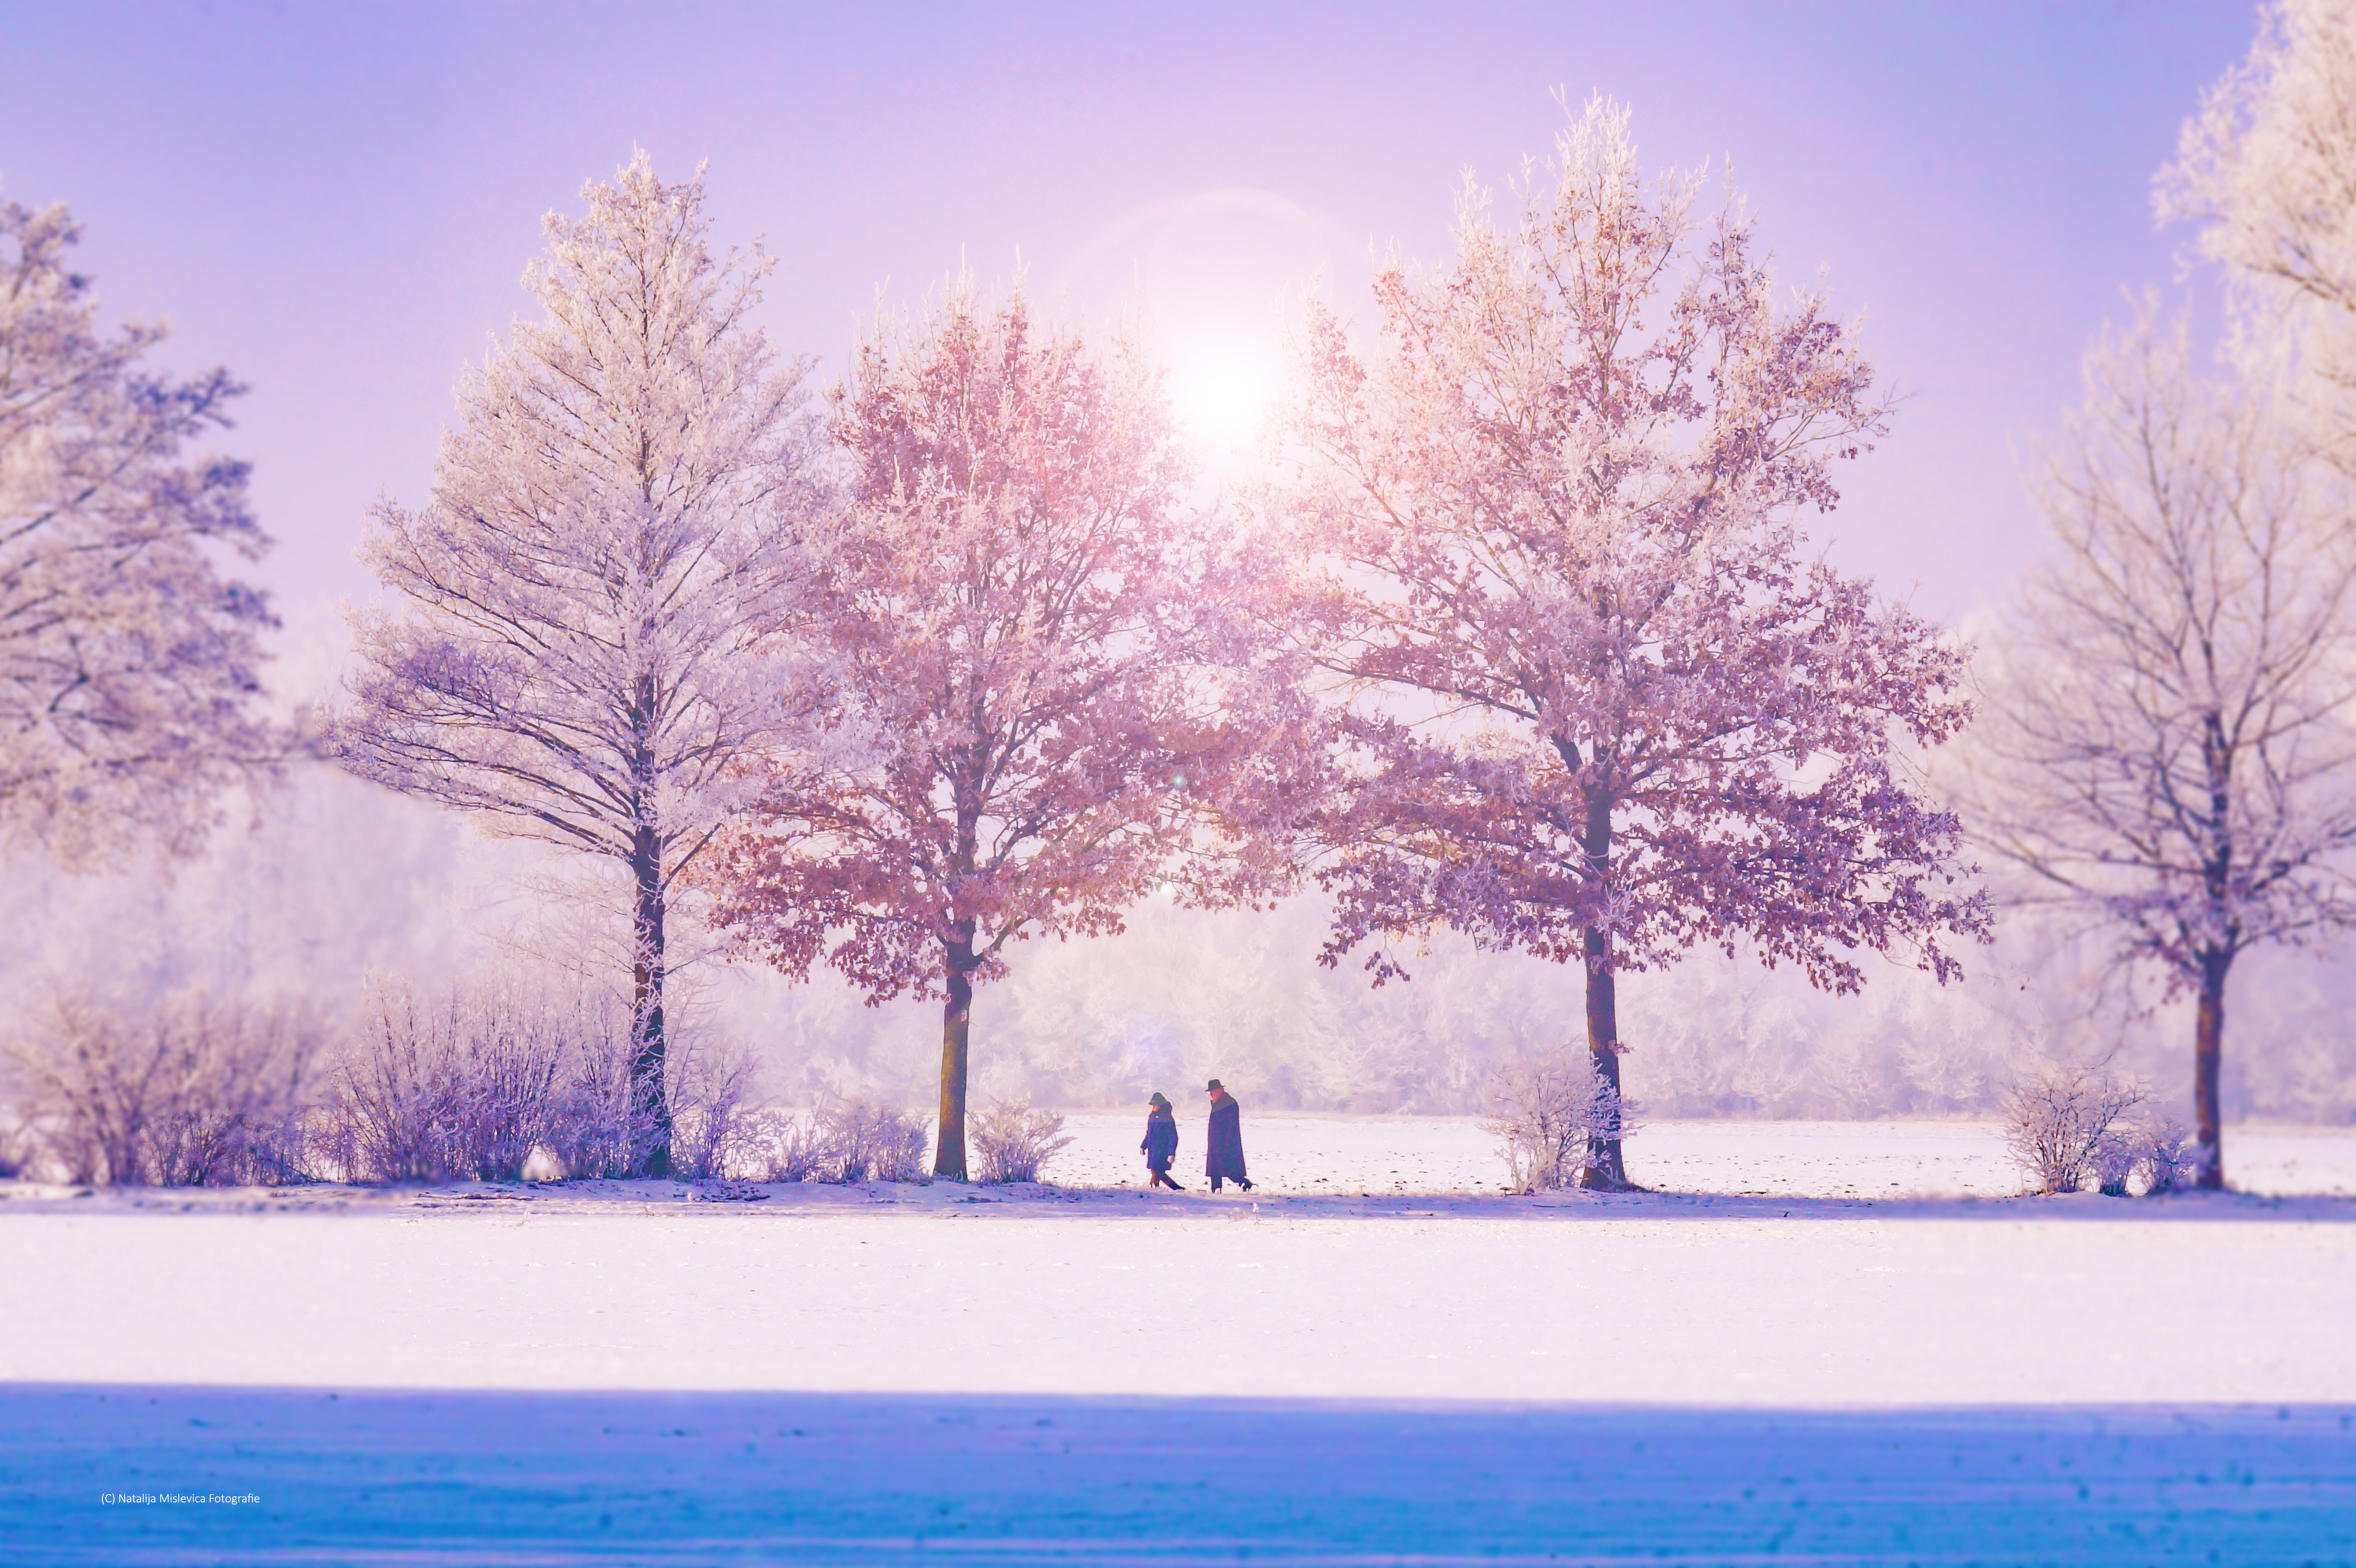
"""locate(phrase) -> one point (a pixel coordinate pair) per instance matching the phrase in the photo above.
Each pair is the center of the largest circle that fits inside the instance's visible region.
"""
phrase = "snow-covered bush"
(873, 1143)
(16, 1146)
(2112, 1164)
(188, 1091)
(842, 1141)
(2166, 1157)
(2145, 1157)
(471, 1082)
(711, 1132)
(601, 1123)
(899, 1146)
(777, 1146)
(1549, 1111)
(504, 1094)
(1014, 1141)
(466, 1084)
(2069, 1125)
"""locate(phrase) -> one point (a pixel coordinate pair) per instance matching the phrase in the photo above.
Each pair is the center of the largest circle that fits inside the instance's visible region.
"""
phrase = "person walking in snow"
(1160, 1145)
(1225, 1161)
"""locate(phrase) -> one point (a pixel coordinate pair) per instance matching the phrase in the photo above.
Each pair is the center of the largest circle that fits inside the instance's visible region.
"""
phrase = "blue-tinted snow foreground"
(1420, 1374)
(869, 1479)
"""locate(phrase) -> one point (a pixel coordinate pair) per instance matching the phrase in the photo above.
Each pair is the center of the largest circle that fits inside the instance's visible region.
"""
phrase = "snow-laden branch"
(129, 666)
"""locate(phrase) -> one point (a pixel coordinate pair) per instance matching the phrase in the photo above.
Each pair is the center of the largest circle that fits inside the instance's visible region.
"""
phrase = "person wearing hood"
(1160, 1145)
(1225, 1159)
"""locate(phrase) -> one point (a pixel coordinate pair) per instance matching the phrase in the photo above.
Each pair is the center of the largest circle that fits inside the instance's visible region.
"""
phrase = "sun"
(1224, 386)
(1215, 280)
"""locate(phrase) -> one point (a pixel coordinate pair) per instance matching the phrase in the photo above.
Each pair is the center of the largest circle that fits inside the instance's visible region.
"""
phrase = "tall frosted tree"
(1048, 688)
(2168, 748)
(128, 663)
(588, 646)
(1597, 705)
(2267, 171)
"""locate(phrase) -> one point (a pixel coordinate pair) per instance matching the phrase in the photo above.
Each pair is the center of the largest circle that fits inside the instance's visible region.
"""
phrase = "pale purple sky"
(337, 200)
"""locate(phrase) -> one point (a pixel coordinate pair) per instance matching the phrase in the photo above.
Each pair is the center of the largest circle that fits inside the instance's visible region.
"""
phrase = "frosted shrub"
(842, 1141)
(16, 1146)
(505, 1099)
(777, 1146)
(2112, 1164)
(2069, 1126)
(395, 1089)
(604, 1119)
(187, 1090)
(2165, 1156)
(1013, 1140)
(873, 1143)
(488, 1078)
(470, 1083)
(1549, 1111)
(899, 1147)
(606, 1123)
(713, 1131)
(461, 1086)
(2151, 1156)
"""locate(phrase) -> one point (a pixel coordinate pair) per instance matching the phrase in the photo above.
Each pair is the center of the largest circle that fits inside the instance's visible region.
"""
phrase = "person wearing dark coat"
(1160, 1145)
(1225, 1160)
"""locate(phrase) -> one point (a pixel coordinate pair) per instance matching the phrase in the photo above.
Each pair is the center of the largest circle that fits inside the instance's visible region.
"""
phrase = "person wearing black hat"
(1160, 1145)
(1225, 1161)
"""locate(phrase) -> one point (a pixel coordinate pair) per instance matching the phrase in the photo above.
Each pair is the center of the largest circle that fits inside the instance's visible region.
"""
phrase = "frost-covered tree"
(1599, 707)
(2168, 744)
(596, 595)
(128, 663)
(1553, 1116)
(2267, 169)
(1038, 644)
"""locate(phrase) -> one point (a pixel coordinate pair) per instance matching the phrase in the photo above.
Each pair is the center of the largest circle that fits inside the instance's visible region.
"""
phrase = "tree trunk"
(1605, 1167)
(2208, 1048)
(957, 1021)
(650, 1096)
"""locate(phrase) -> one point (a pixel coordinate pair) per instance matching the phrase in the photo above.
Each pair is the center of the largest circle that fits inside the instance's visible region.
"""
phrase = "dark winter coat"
(1160, 1145)
(1225, 1161)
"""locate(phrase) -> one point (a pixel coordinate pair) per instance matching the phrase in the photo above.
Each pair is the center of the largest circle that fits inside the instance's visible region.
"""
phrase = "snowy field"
(1450, 1155)
(1820, 1343)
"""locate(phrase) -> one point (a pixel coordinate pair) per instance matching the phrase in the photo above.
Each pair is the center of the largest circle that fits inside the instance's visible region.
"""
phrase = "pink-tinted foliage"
(1049, 697)
(1597, 703)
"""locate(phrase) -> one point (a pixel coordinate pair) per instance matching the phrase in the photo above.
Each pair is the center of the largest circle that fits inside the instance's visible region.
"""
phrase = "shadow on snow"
(523, 1478)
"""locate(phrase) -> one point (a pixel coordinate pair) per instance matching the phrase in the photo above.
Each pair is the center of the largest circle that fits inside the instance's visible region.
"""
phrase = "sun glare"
(1218, 276)
(1223, 388)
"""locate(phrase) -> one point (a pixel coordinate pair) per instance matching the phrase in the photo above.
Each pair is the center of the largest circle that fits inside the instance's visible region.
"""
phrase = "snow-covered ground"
(1335, 1154)
(1821, 1346)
